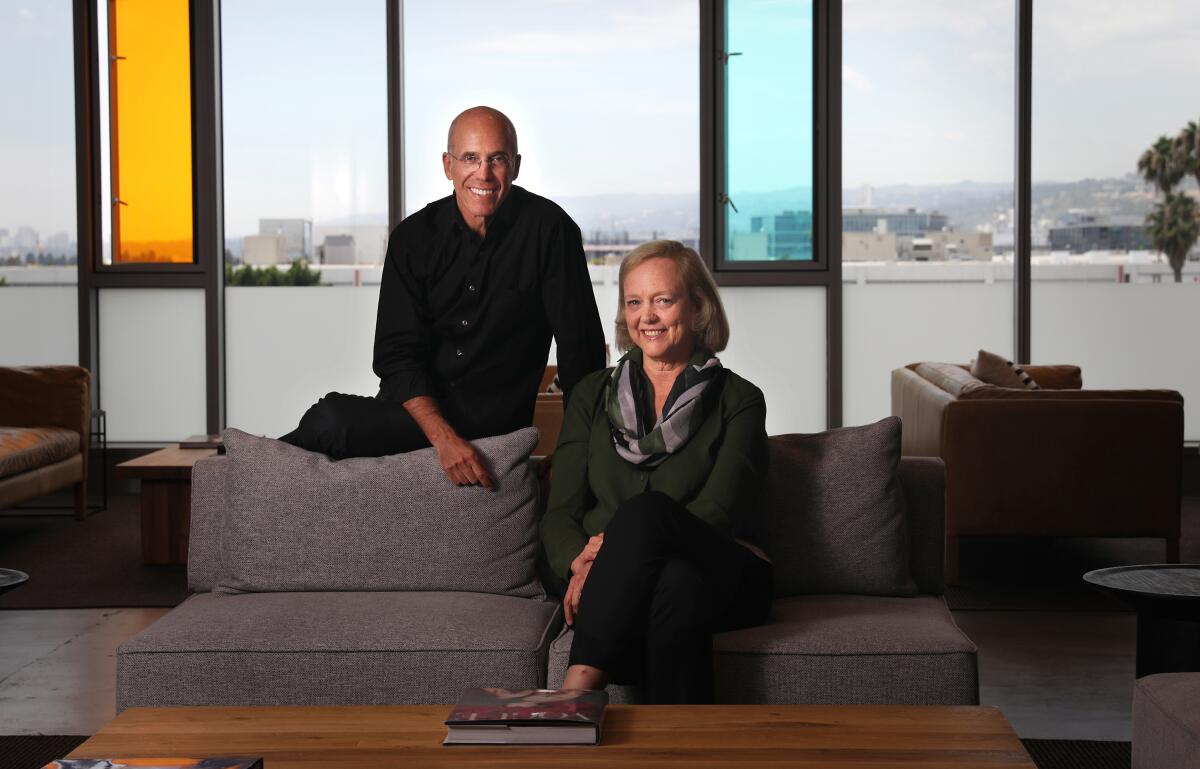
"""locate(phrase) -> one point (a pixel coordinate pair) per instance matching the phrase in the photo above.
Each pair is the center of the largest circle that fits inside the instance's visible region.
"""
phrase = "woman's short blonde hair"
(710, 327)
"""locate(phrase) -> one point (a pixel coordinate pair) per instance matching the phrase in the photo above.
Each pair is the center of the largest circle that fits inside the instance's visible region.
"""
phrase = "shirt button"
(466, 322)
(471, 287)
(458, 353)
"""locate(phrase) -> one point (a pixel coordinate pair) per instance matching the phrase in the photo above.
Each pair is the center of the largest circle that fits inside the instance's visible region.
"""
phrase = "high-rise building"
(899, 222)
(1086, 232)
(789, 235)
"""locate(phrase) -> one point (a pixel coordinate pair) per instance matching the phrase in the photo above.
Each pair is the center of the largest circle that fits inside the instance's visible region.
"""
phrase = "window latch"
(116, 58)
(725, 199)
(724, 55)
(118, 202)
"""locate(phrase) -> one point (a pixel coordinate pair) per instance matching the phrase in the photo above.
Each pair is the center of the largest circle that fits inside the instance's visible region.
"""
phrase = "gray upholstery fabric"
(208, 516)
(924, 482)
(335, 648)
(298, 521)
(836, 649)
(835, 512)
(1166, 721)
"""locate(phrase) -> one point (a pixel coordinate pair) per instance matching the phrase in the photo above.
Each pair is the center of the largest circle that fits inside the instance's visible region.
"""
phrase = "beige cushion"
(28, 448)
(996, 370)
(953, 379)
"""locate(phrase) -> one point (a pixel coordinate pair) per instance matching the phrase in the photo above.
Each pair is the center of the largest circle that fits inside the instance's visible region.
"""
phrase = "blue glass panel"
(769, 130)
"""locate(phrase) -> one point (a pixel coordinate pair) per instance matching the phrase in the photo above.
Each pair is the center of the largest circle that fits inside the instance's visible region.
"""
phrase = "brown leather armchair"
(45, 420)
(1055, 462)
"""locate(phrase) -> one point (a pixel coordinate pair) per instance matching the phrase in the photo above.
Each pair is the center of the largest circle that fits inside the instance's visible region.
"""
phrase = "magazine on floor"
(496, 716)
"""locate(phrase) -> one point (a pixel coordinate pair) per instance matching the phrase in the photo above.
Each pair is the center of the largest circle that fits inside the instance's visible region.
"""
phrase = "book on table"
(496, 716)
(218, 762)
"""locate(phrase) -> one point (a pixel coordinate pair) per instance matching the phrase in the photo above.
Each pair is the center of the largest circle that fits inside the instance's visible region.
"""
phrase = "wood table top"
(696, 736)
(1156, 580)
(171, 462)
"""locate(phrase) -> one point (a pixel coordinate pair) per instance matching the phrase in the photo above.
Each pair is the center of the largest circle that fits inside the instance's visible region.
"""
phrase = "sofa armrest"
(204, 568)
(921, 406)
(1063, 467)
(923, 480)
(47, 396)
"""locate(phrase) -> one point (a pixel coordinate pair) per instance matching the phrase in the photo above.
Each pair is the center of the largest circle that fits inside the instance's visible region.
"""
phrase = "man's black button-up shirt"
(468, 321)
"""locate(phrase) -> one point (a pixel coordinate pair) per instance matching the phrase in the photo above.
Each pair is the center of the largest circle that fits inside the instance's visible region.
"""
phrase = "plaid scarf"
(638, 435)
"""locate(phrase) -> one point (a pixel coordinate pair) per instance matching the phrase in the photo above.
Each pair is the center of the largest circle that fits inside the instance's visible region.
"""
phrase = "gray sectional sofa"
(322, 618)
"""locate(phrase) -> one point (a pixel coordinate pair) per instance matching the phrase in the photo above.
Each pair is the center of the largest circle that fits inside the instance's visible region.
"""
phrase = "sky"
(605, 96)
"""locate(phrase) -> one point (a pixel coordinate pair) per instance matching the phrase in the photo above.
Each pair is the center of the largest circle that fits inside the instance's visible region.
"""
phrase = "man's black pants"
(661, 584)
(343, 426)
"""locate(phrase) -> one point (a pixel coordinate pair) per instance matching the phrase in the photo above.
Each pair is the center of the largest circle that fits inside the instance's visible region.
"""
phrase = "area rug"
(34, 752)
(1078, 754)
(89, 564)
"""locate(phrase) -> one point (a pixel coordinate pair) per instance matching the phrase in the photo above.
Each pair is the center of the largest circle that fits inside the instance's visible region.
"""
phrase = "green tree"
(3, 281)
(298, 274)
(1187, 149)
(1173, 227)
(1162, 165)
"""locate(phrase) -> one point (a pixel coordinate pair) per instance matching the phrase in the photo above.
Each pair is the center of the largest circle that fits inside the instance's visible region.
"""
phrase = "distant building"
(264, 250)
(868, 247)
(1087, 232)
(899, 222)
(370, 240)
(789, 235)
(948, 245)
(338, 249)
(297, 235)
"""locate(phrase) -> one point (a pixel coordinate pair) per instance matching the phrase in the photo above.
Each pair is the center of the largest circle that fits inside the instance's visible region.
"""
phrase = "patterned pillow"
(995, 370)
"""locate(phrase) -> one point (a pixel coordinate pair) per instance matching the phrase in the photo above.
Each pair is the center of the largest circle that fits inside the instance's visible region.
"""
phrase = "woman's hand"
(579, 571)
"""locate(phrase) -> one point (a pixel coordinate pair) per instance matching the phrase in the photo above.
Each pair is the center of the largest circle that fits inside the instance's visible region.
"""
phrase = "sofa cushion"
(300, 521)
(955, 380)
(834, 530)
(335, 648)
(28, 448)
(835, 649)
(1166, 721)
(1056, 377)
(996, 370)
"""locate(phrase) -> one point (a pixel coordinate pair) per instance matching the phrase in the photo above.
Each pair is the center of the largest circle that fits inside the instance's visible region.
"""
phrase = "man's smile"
(482, 191)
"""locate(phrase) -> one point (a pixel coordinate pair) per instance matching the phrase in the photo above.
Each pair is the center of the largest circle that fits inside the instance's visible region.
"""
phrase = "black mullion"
(828, 192)
(395, 100)
(87, 194)
(1023, 190)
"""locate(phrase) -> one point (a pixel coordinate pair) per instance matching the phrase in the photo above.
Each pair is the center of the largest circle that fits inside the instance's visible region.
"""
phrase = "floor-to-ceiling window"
(38, 248)
(306, 202)
(927, 172)
(1110, 80)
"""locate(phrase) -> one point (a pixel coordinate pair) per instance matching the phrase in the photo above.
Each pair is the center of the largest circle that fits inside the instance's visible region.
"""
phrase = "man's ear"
(516, 169)
(446, 165)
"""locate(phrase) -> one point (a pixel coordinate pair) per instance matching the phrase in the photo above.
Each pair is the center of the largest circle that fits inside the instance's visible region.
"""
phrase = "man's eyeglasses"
(472, 162)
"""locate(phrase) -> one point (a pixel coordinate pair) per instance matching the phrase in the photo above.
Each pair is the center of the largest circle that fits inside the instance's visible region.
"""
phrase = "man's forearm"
(425, 412)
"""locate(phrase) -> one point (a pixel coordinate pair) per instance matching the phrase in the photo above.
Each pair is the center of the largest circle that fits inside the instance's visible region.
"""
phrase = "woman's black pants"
(662, 583)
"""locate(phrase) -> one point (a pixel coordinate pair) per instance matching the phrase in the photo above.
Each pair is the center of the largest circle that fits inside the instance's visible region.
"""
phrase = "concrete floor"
(1054, 674)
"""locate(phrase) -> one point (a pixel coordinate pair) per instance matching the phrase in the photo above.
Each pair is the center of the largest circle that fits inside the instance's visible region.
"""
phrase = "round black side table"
(11, 578)
(1167, 599)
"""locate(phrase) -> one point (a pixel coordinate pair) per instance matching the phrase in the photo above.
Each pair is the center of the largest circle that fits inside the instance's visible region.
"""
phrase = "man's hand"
(459, 458)
(579, 571)
(461, 462)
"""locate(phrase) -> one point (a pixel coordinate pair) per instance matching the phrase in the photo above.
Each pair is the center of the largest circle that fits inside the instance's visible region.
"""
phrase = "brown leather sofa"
(1057, 462)
(45, 418)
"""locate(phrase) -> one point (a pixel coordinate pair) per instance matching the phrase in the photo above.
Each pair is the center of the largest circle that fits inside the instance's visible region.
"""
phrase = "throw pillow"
(300, 521)
(835, 512)
(995, 370)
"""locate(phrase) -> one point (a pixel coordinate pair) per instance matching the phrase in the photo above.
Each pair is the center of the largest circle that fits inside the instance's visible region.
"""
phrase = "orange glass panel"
(151, 118)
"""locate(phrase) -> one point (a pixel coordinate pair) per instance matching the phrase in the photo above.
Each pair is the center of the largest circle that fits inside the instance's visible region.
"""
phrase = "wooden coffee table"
(166, 477)
(350, 737)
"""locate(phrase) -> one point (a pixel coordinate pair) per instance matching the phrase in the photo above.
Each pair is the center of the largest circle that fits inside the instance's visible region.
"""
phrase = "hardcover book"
(222, 762)
(527, 717)
(201, 442)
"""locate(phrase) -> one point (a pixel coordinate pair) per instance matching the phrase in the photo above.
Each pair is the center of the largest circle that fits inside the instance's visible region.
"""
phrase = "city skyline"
(1093, 111)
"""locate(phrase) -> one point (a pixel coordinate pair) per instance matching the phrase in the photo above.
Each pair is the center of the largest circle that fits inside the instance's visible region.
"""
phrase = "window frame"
(825, 267)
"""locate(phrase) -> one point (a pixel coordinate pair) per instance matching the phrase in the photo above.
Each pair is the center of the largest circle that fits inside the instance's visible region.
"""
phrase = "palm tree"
(1187, 149)
(1174, 226)
(1161, 165)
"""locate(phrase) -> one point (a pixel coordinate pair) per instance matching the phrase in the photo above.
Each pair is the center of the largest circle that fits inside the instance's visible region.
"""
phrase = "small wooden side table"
(1167, 599)
(166, 477)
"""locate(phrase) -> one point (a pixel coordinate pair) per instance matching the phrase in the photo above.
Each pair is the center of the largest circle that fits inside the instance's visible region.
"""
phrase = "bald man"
(474, 287)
